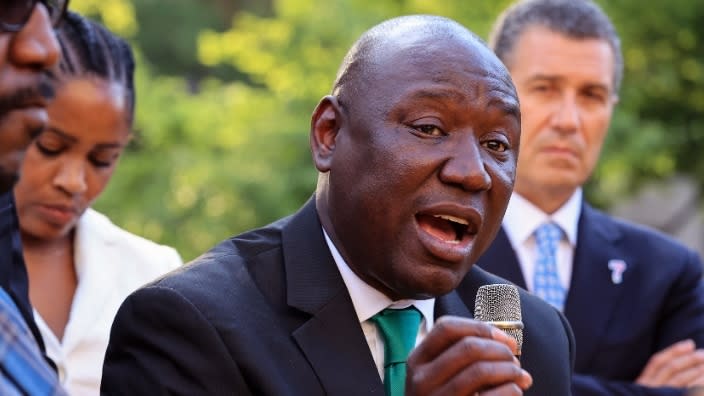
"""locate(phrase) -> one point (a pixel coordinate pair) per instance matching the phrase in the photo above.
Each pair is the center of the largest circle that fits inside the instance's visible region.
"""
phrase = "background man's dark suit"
(618, 327)
(267, 313)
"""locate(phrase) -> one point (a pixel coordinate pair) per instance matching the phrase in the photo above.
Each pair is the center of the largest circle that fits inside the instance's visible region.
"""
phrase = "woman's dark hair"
(89, 49)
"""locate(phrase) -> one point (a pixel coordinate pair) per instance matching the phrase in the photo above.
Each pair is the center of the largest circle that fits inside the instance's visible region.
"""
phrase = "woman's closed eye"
(49, 149)
(103, 159)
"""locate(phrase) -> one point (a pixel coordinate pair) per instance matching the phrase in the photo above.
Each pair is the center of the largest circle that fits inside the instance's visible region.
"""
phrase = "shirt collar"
(522, 218)
(369, 301)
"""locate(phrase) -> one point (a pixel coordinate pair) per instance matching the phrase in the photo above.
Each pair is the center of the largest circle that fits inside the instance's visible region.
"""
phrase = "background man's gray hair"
(580, 19)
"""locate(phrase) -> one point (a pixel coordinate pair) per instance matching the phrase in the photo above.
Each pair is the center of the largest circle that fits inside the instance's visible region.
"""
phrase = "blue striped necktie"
(546, 283)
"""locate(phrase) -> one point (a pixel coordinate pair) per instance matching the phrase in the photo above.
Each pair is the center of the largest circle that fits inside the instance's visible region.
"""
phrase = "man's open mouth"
(448, 228)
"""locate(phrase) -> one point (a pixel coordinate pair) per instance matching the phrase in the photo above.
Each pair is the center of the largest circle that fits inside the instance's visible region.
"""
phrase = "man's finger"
(487, 377)
(450, 329)
(467, 351)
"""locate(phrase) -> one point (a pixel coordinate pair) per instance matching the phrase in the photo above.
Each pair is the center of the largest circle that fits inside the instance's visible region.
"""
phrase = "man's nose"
(35, 46)
(465, 166)
(566, 117)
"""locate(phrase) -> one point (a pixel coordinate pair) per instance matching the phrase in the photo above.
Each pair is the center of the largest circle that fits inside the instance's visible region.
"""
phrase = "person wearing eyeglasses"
(94, 264)
(28, 49)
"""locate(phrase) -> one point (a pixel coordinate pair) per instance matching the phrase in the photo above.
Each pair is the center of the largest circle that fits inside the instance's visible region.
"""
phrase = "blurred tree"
(658, 129)
(216, 156)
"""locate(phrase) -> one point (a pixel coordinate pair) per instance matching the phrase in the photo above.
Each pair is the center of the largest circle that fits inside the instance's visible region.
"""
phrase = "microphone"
(500, 306)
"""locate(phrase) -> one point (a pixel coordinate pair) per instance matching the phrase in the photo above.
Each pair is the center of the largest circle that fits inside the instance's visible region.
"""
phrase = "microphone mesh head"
(500, 303)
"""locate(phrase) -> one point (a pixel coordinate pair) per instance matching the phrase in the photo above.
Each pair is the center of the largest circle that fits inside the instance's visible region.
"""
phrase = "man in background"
(633, 296)
(416, 150)
(28, 48)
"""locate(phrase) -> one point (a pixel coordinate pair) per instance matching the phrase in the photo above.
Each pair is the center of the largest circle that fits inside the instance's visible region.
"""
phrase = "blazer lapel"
(501, 259)
(592, 294)
(466, 293)
(451, 304)
(332, 339)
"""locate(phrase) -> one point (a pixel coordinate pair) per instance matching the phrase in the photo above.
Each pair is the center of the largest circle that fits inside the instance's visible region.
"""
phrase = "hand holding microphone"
(466, 356)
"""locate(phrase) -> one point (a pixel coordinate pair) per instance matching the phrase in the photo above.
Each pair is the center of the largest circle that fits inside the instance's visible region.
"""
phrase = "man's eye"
(541, 88)
(496, 145)
(430, 130)
(595, 96)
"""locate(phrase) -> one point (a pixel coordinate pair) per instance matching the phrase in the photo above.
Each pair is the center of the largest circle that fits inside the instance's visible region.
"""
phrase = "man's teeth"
(453, 219)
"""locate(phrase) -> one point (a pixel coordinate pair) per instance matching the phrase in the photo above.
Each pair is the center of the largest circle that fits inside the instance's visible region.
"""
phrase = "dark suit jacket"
(619, 326)
(13, 273)
(267, 313)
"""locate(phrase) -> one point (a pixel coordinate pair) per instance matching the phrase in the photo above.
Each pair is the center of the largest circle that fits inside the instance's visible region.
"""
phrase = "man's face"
(566, 90)
(422, 167)
(24, 58)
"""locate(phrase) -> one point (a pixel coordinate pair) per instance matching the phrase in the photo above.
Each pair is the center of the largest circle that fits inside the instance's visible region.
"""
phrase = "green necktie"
(400, 329)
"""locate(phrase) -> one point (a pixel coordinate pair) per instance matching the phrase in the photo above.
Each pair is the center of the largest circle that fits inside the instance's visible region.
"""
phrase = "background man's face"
(567, 96)
(24, 57)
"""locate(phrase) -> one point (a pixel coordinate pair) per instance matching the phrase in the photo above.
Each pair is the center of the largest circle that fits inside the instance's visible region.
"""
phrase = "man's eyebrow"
(507, 107)
(545, 77)
(554, 79)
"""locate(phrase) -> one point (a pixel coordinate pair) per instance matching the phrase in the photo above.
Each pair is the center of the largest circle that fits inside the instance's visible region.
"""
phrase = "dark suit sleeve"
(683, 312)
(570, 339)
(587, 385)
(681, 317)
(160, 343)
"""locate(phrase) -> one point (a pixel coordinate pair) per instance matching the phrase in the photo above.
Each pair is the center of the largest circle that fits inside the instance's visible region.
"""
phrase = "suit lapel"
(332, 339)
(466, 292)
(501, 259)
(593, 295)
(451, 304)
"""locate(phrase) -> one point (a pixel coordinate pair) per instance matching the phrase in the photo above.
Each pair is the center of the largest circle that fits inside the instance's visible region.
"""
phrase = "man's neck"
(547, 200)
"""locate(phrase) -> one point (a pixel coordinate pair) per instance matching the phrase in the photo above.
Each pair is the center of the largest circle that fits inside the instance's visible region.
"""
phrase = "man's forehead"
(545, 55)
(471, 66)
(437, 54)
(495, 96)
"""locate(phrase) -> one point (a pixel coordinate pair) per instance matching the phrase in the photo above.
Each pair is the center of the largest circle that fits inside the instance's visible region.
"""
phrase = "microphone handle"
(510, 327)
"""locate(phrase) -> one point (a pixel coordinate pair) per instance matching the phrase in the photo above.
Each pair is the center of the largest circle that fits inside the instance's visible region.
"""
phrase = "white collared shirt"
(110, 263)
(368, 301)
(523, 218)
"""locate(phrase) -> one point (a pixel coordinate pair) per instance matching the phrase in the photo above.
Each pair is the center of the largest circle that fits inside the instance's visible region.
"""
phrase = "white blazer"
(110, 264)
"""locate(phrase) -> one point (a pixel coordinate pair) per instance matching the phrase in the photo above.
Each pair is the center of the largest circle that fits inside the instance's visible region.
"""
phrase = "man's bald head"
(366, 59)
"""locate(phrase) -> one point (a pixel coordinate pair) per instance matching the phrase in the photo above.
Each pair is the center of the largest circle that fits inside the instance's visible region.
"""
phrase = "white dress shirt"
(523, 218)
(110, 263)
(368, 301)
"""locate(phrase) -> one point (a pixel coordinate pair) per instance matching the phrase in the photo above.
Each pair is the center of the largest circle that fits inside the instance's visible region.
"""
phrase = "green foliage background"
(226, 89)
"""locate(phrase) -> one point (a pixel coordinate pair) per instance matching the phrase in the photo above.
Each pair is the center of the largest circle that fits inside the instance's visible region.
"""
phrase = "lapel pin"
(617, 267)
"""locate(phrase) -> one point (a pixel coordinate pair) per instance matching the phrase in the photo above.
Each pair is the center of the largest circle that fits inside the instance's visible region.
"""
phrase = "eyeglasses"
(14, 14)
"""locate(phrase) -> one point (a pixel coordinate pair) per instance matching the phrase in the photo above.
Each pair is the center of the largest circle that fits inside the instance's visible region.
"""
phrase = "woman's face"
(71, 162)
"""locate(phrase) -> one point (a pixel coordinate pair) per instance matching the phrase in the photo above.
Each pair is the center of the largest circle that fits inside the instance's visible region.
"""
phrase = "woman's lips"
(58, 214)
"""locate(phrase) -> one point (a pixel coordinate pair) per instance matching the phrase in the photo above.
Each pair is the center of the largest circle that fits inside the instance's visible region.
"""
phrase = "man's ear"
(324, 127)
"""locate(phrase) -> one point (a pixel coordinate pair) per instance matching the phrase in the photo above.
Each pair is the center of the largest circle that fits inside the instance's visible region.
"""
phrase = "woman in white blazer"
(80, 265)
